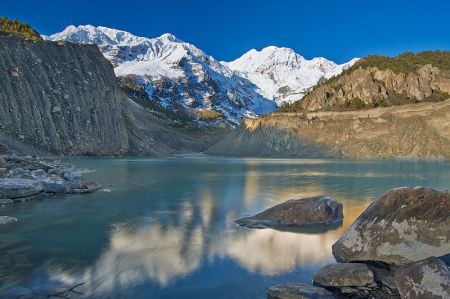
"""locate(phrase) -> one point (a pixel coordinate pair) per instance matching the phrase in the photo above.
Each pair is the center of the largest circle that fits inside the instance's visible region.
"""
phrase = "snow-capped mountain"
(174, 72)
(283, 75)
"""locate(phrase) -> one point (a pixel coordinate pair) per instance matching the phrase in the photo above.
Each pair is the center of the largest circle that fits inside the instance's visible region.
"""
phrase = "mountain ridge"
(175, 72)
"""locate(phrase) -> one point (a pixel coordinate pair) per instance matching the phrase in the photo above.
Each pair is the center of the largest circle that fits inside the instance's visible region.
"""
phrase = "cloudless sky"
(338, 30)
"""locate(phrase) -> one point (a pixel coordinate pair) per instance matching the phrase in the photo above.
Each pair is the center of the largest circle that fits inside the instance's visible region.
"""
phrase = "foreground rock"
(345, 275)
(429, 278)
(7, 220)
(16, 187)
(402, 226)
(298, 291)
(304, 212)
(27, 178)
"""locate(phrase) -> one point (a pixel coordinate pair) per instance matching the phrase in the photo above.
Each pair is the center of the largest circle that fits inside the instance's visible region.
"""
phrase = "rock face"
(304, 212)
(407, 131)
(61, 97)
(298, 291)
(402, 226)
(429, 278)
(345, 275)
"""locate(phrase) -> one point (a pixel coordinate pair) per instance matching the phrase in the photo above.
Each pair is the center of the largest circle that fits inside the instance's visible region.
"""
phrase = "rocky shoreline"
(25, 178)
(393, 250)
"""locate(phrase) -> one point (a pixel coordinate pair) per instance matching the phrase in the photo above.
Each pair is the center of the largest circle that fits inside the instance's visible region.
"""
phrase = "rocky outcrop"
(318, 211)
(298, 291)
(61, 97)
(402, 226)
(373, 87)
(429, 278)
(407, 131)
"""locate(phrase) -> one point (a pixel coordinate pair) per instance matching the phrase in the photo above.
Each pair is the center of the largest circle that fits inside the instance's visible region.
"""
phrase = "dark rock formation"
(304, 212)
(402, 226)
(429, 278)
(298, 291)
(61, 97)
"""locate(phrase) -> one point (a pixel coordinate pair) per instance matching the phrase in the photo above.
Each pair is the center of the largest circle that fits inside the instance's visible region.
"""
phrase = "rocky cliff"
(60, 97)
(382, 81)
(409, 131)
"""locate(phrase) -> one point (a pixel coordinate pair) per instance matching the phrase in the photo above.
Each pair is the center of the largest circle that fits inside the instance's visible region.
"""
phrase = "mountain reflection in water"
(166, 228)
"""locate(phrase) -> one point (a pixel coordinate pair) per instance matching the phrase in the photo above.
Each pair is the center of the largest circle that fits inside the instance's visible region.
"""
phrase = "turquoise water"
(163, 228)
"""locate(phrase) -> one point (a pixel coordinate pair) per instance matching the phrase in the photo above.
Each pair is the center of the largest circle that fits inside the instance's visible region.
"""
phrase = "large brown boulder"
(305, 212)
(429, 278)
(404, 225)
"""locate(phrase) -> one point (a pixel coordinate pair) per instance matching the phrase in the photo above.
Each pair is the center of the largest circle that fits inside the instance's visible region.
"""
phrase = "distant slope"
(409, 131)
(382, 81)
(283, 75)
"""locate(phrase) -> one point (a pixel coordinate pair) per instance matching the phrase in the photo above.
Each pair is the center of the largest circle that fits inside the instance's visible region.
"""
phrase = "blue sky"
(225, 29)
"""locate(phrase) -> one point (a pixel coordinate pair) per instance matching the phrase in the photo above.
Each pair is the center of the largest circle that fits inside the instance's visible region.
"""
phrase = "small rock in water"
(305, 212)
(294, 290)
(429, 278)
(345, 275)
(7, 219)
(17, 187)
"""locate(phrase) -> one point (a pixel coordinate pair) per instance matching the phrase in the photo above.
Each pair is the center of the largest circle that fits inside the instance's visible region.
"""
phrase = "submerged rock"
(402, 226)
(305, 212)
(293, 290)
(345, 275)
(17, 187)
(7, 219)
(5, 202)
(429, 278)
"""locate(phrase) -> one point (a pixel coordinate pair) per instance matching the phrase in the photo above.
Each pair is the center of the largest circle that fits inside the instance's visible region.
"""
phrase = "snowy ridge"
(176, 73)
(283, 75)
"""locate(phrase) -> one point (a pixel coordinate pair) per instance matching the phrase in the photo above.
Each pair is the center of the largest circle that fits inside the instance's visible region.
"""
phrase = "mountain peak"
(169, 37)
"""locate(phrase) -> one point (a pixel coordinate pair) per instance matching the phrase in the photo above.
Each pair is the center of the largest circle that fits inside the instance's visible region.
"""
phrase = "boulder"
(7, 219)
(345, 275)
(429, 278)
(305, 212)
(17, 187)
(3, 163)
(402, 226)
(294, 290)
(55, 184)
(87, 187)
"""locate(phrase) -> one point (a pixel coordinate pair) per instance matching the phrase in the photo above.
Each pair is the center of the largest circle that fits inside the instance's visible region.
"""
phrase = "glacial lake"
(163, 228)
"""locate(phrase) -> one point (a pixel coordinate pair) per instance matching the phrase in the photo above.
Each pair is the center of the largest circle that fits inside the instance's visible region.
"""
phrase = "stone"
(88, 187)
(429, 278)
(293, 290)
(305, 212)
(16, 187)
(3, 171)
(5, 202)
(402, 226)
(3, 163)
(7, 219)
(55, 184)
(345, 275)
